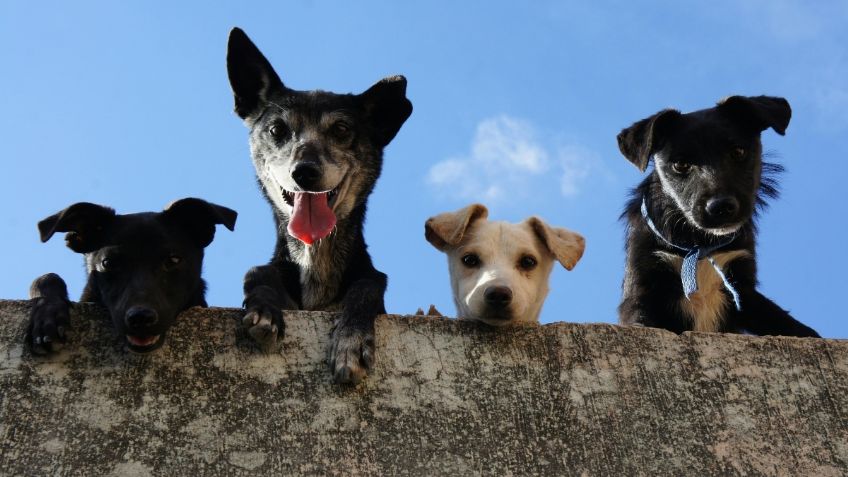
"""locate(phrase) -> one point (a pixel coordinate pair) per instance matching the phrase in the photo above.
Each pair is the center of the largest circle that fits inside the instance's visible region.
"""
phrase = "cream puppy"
(499, 271)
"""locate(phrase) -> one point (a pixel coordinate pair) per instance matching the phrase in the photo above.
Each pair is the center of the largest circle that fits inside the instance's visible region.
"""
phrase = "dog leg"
(651, 311)
(762, 316)
(265, 297)
(351, 348)
(49, 318)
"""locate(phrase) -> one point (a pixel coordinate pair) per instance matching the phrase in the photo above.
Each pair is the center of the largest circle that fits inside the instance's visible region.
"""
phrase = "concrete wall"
(446, 397)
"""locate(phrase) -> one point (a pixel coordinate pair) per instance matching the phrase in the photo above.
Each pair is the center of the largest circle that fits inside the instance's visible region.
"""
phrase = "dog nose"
(306, 174)
(140, 316)
(722, 207)
(498, 297)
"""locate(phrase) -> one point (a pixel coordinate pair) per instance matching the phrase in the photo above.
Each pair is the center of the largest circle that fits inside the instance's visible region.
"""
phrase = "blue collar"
(689, 269)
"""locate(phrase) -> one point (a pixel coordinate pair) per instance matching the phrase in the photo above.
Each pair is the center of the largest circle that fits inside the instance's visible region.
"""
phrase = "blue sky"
(516, 105)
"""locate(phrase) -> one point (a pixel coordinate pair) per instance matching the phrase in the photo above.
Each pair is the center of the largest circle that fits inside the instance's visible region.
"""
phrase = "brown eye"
(527, 263)
(107, 264)
(739, 153)
(278, 130)
(681, 167)
(470, 260)
(341, 130)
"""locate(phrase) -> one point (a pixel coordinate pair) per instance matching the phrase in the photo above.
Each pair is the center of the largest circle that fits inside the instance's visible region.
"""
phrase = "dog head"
(499, 271)
(317, 154)
(144, 267)
(709, 161)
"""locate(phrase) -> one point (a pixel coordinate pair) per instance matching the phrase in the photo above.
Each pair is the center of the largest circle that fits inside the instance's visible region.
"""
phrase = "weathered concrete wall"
(446, 397)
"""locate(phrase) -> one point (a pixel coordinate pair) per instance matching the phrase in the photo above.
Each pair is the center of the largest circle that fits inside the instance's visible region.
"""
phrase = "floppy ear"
(760, 112)
(565, 245)
(84, 223)
(643, 138)
(199, 218)
(251, 75)
(387, 107)
(447, 230)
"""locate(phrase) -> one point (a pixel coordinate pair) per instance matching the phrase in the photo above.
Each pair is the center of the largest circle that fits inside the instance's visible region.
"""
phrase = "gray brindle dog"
(317, 157)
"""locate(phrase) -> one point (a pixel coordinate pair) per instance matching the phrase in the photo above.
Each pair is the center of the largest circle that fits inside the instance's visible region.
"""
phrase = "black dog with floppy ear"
(143, 268)
(691, 231)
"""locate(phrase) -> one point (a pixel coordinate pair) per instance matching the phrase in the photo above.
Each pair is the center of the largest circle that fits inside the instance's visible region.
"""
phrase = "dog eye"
(341, 130)
(107, 264)
(172, 262)
(278, 130)
(681, 167)
(470, 260)
(739, 153)
(527, 263)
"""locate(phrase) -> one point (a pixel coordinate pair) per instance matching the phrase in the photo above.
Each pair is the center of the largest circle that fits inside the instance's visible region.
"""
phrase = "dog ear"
(251, 75)
(84, 223)
(643, 138)
(760, 112)
(447, 230)
(565, 245)
(199, 218)
(387, 107)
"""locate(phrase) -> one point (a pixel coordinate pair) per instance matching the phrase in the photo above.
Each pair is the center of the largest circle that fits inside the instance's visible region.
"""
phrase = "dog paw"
(265, 326)
(49, 323)
(351, 354)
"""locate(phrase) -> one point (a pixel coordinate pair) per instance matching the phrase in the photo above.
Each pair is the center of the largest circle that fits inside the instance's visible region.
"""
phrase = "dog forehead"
(711, 126)
(312, 105)
(502, 236)
(145, 231)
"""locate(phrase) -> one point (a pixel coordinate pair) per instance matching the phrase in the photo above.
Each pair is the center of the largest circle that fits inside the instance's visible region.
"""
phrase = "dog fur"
(143, 268)
(324, 150)
(499, 271)
(708, 182)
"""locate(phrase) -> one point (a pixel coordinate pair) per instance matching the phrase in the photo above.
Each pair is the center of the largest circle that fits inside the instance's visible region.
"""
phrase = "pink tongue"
(312, 218)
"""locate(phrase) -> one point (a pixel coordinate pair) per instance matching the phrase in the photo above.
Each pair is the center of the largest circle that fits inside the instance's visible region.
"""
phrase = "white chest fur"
(707, 306)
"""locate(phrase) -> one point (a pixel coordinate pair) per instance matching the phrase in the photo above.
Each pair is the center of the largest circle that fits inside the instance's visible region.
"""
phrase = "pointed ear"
(387, 108)
(565, 245)
(199, 218)
(84, 223)
(447, 230)
(759, 112)
(251, 75)
(638, 142)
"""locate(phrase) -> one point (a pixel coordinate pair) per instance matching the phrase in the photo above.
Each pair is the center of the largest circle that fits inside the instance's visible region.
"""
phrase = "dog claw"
(351, 355)
(264, 333)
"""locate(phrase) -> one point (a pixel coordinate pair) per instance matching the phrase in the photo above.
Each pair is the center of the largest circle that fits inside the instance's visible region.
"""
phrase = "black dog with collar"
(700, 202)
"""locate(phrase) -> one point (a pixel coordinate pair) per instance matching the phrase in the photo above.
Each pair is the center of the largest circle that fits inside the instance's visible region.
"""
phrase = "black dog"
(144, 268)
(691, 223)
(317, 156)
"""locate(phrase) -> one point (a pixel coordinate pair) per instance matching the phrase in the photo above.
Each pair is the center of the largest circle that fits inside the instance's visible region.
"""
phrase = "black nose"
(498, 297)
(723, 207)
(306, 174)
(140, 316)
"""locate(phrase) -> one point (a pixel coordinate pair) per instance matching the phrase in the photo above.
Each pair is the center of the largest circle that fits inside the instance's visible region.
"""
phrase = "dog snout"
(141, 317)
(498, 297)
(307, 174)
(722, 207)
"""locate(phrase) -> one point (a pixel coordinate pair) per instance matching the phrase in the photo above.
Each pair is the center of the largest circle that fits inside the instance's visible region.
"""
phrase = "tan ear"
(446, 230)
(565, 245)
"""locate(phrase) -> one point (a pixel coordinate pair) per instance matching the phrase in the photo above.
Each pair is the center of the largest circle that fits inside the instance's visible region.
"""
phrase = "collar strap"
(689, 269)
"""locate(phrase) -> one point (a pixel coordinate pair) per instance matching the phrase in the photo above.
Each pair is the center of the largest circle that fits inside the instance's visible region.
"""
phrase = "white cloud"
(508, 159)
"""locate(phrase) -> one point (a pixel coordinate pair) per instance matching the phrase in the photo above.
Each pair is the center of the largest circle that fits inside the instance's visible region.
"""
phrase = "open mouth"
(331, 196)
(313, 214)
(143, 344)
